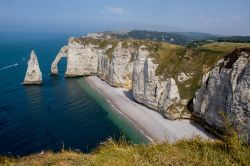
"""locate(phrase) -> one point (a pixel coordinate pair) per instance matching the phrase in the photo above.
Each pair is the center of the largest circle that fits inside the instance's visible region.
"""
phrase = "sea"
(61, 114)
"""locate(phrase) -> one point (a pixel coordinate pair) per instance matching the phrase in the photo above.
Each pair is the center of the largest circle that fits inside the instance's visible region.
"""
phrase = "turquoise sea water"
(61, 112)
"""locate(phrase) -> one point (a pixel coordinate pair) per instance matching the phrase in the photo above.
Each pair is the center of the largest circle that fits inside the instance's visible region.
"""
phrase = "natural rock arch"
(62, 54)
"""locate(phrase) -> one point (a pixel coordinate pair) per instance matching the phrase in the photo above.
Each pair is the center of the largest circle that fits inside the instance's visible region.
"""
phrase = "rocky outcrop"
(82, 60)
(89, 59)
(117, 71)
(182, 77)
(33, 74)
(103, 67)
(62, 54)
(151, 90)
(223, 100)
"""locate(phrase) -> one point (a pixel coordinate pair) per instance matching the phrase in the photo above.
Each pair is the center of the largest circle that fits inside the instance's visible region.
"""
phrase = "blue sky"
(228, 17)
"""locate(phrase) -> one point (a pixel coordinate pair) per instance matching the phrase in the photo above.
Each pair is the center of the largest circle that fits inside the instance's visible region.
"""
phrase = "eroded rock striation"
(153, 91)
(223, 101)
(117, 71)
(33, 74)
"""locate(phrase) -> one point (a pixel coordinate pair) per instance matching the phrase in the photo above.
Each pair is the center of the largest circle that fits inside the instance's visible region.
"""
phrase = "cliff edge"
(223, 101)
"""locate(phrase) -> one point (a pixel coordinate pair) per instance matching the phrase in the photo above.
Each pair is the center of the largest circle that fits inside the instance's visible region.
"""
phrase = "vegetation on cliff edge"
(184, 152)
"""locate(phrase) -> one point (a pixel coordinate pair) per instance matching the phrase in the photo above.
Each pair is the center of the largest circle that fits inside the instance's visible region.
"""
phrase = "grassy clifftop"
(192, 152)
(194, 61)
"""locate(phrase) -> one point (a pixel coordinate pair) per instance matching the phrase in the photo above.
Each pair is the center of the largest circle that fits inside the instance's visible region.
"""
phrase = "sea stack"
(33, 75)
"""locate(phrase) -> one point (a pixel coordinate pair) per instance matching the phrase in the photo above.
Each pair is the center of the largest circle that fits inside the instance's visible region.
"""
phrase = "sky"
(224, 17)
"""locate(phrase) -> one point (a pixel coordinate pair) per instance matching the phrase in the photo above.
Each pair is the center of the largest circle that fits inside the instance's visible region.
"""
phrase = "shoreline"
(147, 121)
(131, 121)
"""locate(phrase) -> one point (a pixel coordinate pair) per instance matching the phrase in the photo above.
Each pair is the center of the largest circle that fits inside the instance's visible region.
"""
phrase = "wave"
(6, 67)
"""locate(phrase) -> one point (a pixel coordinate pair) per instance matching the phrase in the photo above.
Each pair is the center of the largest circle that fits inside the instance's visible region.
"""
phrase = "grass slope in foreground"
(184, 152)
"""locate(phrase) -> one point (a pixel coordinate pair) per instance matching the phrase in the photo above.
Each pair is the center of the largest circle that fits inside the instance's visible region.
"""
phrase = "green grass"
(226, 46)
(185, 152)
(100, 43)
(173, 60)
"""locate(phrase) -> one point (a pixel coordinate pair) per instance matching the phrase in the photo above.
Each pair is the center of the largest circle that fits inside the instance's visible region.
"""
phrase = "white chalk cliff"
(135, 72)
(33, 74)
(225, 91)
(223, 100)
(83, 60)
(117, 71)
(151, 90)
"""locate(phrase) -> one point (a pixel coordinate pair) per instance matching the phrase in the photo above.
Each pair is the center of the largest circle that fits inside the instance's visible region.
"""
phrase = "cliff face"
(223, 100)
(127, 67)
(33, 75)
(117, 71)
(88, 59)
(81, 59)
(151, 90)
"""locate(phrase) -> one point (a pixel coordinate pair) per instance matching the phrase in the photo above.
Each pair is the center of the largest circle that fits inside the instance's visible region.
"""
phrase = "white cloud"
(116, 10)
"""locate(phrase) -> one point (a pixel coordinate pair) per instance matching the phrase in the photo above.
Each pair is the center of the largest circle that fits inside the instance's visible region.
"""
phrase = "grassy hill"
(180, 38)
(235, 39)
